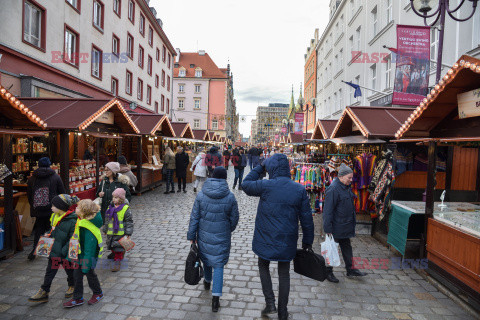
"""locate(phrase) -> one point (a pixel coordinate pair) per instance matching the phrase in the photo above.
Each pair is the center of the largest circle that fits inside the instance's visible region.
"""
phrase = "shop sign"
(469, 104)
(383, 101)
(107, 118)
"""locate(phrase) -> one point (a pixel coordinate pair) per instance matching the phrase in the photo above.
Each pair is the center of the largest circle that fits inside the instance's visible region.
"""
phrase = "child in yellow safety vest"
(90, 247)
(118, 223)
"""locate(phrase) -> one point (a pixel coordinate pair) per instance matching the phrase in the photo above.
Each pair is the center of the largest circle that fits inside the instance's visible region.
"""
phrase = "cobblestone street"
(151, 286)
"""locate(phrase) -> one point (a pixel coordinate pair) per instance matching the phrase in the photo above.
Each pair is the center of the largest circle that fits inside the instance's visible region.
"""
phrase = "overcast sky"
(264, 40)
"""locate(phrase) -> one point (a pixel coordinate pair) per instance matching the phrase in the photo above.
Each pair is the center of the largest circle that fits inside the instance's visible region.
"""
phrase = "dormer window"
(192, 66)
(198, 73)
(181, 72)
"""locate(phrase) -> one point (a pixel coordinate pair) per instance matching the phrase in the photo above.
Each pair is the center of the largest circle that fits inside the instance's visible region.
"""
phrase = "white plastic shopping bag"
(330, 252)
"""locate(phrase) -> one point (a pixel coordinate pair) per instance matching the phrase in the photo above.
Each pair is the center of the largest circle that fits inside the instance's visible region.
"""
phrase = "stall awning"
(371, 122)
(356, 140)
(183, 130)
(201, 135)
(79, 114)
(17, 114)
(323, 129)
(153, 124)
(103, 135)
(438, 115)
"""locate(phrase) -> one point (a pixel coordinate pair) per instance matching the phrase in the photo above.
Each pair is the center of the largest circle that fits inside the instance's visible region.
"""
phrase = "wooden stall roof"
(182, 130)
(79, 114)
(295, 138)
(223, 139)
(201, 135)
(372, 122)
(17, 114)
(153, 124)
(217, 137)
(437, 114)
(323, 129)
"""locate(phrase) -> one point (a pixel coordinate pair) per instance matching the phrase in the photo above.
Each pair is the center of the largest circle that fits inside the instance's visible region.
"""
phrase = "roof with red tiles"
(209, 68)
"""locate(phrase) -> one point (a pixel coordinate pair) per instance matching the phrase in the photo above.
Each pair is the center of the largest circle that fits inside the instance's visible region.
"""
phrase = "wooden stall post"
(10, 234)
(139, 162)
(120, 148)
(97, 161)
(430, 201)
(65, 160)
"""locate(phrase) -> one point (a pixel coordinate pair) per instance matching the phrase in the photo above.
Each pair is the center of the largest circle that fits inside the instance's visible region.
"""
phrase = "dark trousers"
(170, 179)
(284, 284)
(42, 225)
(52, 271)
(238, 177)
(180, 180)
(92, 279)
(347, 253)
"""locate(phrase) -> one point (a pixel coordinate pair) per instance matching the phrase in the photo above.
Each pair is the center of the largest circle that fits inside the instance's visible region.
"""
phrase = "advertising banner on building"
(413, 65)
(299, 123)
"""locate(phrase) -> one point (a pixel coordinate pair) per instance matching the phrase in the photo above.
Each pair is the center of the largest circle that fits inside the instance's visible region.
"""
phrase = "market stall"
(450, 116)
(145, 152)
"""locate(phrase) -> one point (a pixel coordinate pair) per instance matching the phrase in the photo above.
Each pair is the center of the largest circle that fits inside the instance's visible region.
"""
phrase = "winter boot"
(206, 285)
(269, 309)
(40, 296)
(215, 303)
(116, 266)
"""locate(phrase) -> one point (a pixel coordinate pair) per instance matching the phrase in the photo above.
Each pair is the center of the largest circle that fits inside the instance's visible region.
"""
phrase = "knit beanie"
(113, 166)
(64, 201)
(343, 170)
(44, 162)
(119, 193)
(220, 173)
(122, 160)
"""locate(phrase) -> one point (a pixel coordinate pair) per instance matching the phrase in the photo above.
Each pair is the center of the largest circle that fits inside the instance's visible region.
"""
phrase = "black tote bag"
(193, 266)
(309, 264)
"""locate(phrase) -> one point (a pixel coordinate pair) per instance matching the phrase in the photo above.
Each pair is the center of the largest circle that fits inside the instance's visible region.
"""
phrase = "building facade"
(203, 92)
(354, 38)
(310, 81)
(96, 49)
(269, 121)
(253, 131)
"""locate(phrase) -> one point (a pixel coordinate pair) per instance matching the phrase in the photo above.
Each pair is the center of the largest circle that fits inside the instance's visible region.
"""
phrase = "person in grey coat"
(213, 219)
(339, 219)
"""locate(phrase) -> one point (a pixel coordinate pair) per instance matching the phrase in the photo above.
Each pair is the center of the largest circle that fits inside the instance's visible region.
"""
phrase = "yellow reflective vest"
(87, 224)
(121, 230)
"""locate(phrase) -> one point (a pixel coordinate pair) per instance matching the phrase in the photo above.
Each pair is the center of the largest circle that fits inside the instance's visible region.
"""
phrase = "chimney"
(178, 54)
(201, 52)
(160, 22)
(153, 11)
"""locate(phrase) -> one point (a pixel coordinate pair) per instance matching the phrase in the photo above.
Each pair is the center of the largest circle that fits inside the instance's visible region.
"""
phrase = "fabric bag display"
(4, 171)
(330, 252)
(193, 266)
(126, 243)
(73, 249)
(44, 247)
(309, 264)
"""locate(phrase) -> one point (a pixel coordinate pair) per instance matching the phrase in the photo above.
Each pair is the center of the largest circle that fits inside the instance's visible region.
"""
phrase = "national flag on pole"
(358, 91)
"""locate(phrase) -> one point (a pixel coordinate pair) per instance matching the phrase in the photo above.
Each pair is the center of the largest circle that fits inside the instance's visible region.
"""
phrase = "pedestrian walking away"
(199, 169)
(283, 203)
(213, 219)
(213, 159)
(181, 163)
(226, 158)
(339, 219)
(239, 161)
(170, 165)
(87, 233)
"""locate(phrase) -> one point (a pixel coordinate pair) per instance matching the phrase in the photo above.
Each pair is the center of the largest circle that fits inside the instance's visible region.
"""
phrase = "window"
(115, 45)
(340, 99)
(97, 62)
(196, 104)
(163, 78)
(156, 106)
(181, 88)
(389, 11)
(336, 66)
(71, 46)
(180, 120)
(150, 36)
(215, 124)
(162, 100)
(388, 71)
(139, 89)
(157, 54)
(140, 56)
(149, 65)
(169, 61)
(335, 106)
(117, 7)
(168, 83)
(74, 3)
(114, 85)
(433, 46)
(373, 76)
(182, 72)
(340, 59)
(198, 73)
(130, 44)
(374, 22)
(358, 38)
(352, 7)
(181, 103)
(98, 15)
(196, 123)
(156, 81)
(197, 88)
(131, 11)
(164, 53)
(141, 26)
(34, 25)
(149, 95)
(128, 83)
(168, 106)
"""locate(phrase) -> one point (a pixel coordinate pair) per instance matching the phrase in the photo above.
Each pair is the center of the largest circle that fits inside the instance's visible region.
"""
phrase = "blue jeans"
(238, 177)
(217, 279)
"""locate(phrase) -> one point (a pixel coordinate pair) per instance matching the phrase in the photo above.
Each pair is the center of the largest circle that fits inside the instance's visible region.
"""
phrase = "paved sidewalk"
(151, 286)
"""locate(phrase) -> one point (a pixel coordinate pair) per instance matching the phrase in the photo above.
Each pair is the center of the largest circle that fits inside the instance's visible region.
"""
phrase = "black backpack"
(310, 264)
(193, 266)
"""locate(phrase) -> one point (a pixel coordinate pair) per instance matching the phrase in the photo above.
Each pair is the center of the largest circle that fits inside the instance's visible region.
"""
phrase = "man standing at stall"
(339, 219)
(181, 164)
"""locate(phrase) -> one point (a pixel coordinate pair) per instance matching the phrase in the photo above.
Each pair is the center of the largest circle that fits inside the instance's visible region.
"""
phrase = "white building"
(79, 48)
(359, 27)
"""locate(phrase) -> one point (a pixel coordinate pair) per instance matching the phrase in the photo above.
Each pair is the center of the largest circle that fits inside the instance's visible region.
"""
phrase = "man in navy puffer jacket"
(282, 204)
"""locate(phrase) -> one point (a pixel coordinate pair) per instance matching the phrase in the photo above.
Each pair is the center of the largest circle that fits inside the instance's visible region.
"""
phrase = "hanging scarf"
(112, 214)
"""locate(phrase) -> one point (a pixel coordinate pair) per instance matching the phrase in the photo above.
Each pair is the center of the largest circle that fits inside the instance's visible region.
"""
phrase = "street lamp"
(422, 9)
(307, 108)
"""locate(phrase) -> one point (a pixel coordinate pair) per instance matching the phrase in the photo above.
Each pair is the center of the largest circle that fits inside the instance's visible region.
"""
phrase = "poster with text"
(413, 65)
(299, 123)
